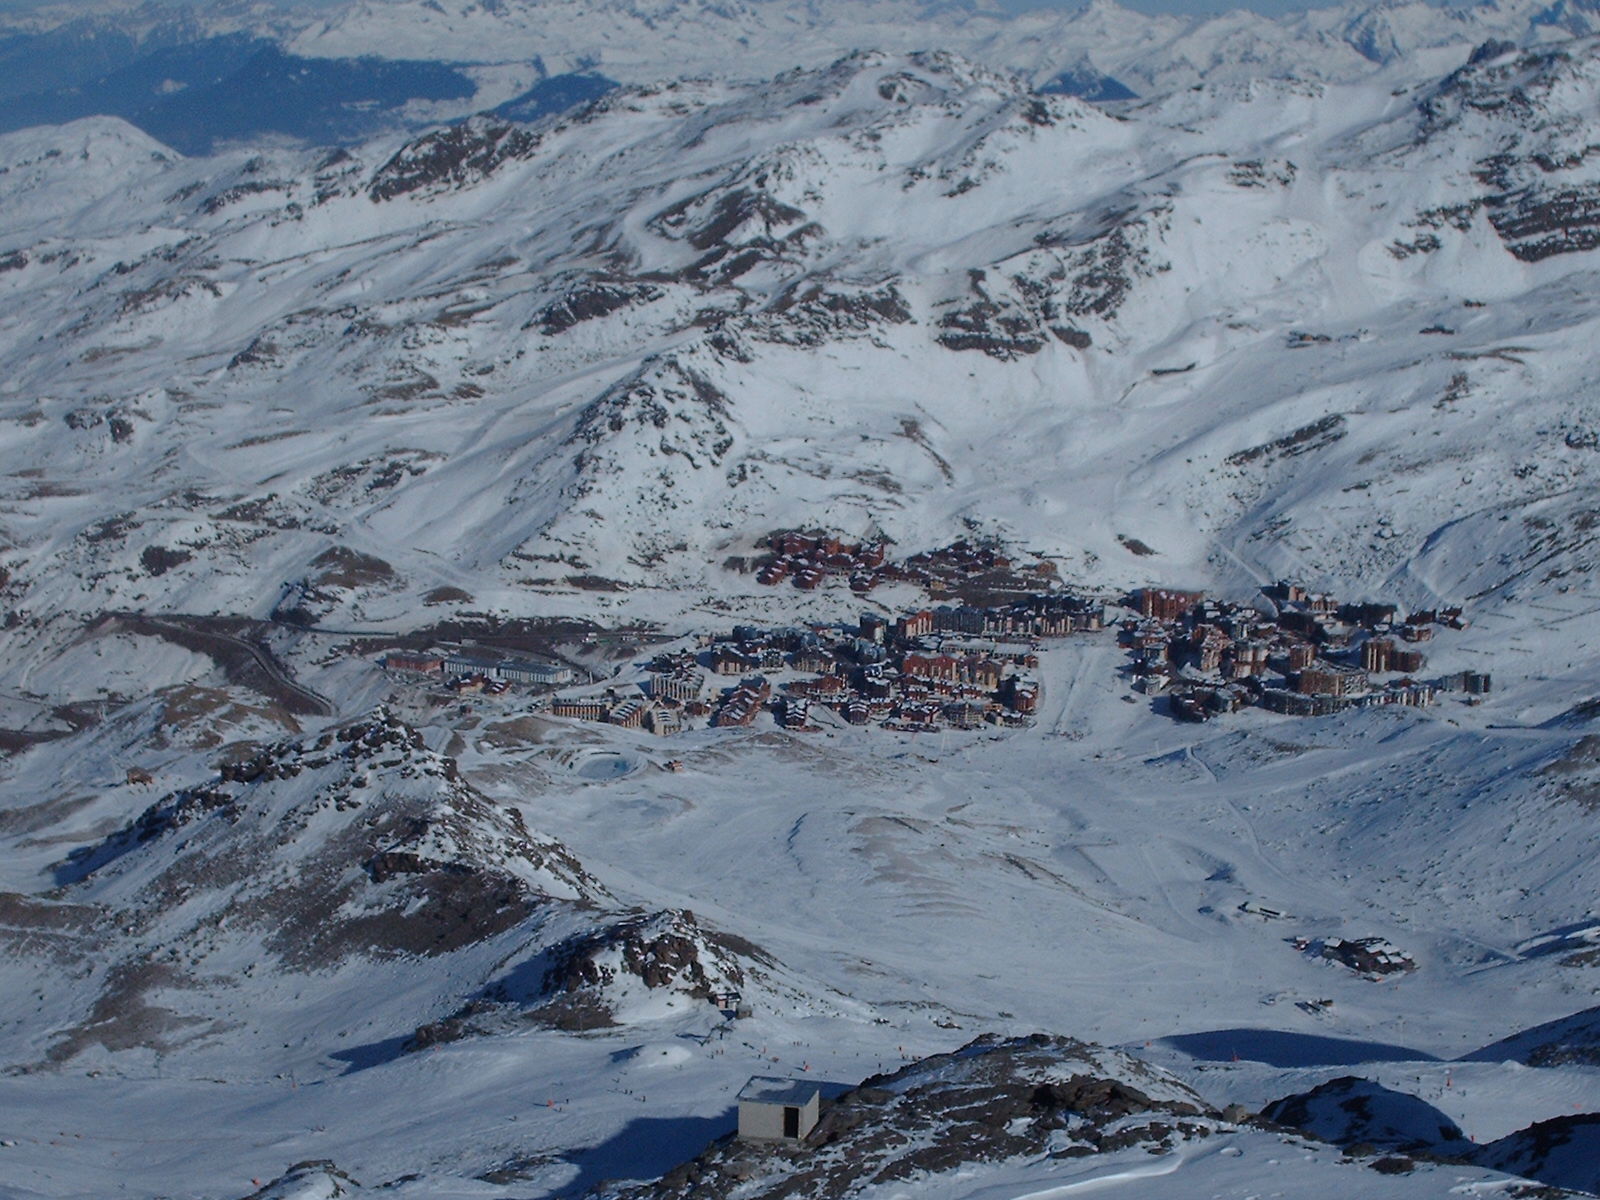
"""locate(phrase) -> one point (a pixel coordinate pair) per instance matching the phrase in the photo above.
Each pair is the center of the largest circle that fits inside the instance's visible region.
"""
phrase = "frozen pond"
(602, 767)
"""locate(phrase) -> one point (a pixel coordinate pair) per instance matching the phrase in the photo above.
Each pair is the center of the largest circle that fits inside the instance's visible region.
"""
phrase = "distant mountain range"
(198, 77)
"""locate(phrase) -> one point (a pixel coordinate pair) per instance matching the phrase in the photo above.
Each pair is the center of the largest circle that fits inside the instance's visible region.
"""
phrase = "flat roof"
(500, 660)
(768, 1089)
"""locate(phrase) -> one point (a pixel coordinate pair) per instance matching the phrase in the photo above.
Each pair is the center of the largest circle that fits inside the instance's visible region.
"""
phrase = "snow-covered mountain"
(641, 42)
(1316, 305)
(309, 872)
(1260, 329)
(197, 75)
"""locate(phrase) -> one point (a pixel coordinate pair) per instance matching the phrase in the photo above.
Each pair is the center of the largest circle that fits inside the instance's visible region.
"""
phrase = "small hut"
(772, 1109)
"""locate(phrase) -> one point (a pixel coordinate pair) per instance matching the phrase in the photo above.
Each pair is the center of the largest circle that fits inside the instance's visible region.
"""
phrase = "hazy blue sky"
(1183, 6)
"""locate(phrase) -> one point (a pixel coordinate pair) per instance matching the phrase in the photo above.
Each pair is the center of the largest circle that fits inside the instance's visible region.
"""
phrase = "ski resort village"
(777, 600)
(968, 666)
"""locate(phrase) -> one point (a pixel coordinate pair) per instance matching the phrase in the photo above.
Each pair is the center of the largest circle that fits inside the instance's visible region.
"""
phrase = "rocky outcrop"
(1352, 1112)
(1543, 178)
(592, 300)
(451, 157)
(992, 1101)
(660, 950)
(357, 844)
(1563, 1152)
(314, 1179)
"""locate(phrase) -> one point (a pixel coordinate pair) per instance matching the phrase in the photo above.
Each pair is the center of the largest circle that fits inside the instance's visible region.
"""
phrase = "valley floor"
(1086, 876)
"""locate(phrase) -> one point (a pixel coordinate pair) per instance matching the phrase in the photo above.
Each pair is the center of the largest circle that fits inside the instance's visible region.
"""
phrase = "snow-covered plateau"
(279, 921)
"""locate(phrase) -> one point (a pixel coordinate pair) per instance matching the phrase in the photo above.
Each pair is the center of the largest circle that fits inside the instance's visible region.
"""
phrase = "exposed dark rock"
(1561, 1152)
(217, 201)
(158, 560)
(991, 1101)
(1491, 49)
(423, 864)
(665, 949)
(1541, 199)
(1393, 1164)
(710, 218)
(1573, 1040)
(1353, 1112)
(812, 314)
(991, 328)
(1134, 546)
(1536, 223)
(999, 327)
(343, 567)
(1315, 436)
(260, 352)
(590, 301)
(315, 1177)
(1259, 173)
(690, 412)
(451, 157)
(117, 421)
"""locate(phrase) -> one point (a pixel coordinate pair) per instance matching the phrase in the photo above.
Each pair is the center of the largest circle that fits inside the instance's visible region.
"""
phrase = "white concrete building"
(775, 1110)
(514, 670)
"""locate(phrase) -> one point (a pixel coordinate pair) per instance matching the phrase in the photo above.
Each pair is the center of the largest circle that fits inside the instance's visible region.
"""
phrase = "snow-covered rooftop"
(771, 1089)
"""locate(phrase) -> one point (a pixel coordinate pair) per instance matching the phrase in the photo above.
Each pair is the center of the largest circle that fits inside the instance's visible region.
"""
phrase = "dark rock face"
(314, 1177)
(1052, 290)
(738, 226)
(1353, 1112)
(1261, 174)
(578, 983)
(1563, 1152)
(691, 413)
(661, 949)
(993, 1100)
(994, 323)
(1493, 48)
(361, 844)
(358, 844)
(1315, 436)
(590, 301)
(814, 313)
(712, 218)
(117, 421)
(1570, 1040)
(158, 560)
(1543, 196)
(451, 157)
(1536, 223)
(988, 327)
(412, 859)
(343, 567)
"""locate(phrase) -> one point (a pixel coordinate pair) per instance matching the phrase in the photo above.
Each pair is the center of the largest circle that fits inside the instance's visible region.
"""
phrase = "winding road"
(243, 660)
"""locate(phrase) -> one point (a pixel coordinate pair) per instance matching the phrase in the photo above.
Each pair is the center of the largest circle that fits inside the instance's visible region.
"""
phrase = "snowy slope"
(311, 871)
(1098, 49)
(896, 293)
(639, 42)
(269, 415)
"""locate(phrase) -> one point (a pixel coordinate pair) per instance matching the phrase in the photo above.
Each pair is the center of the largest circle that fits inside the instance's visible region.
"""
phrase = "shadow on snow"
(1277, 1048)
